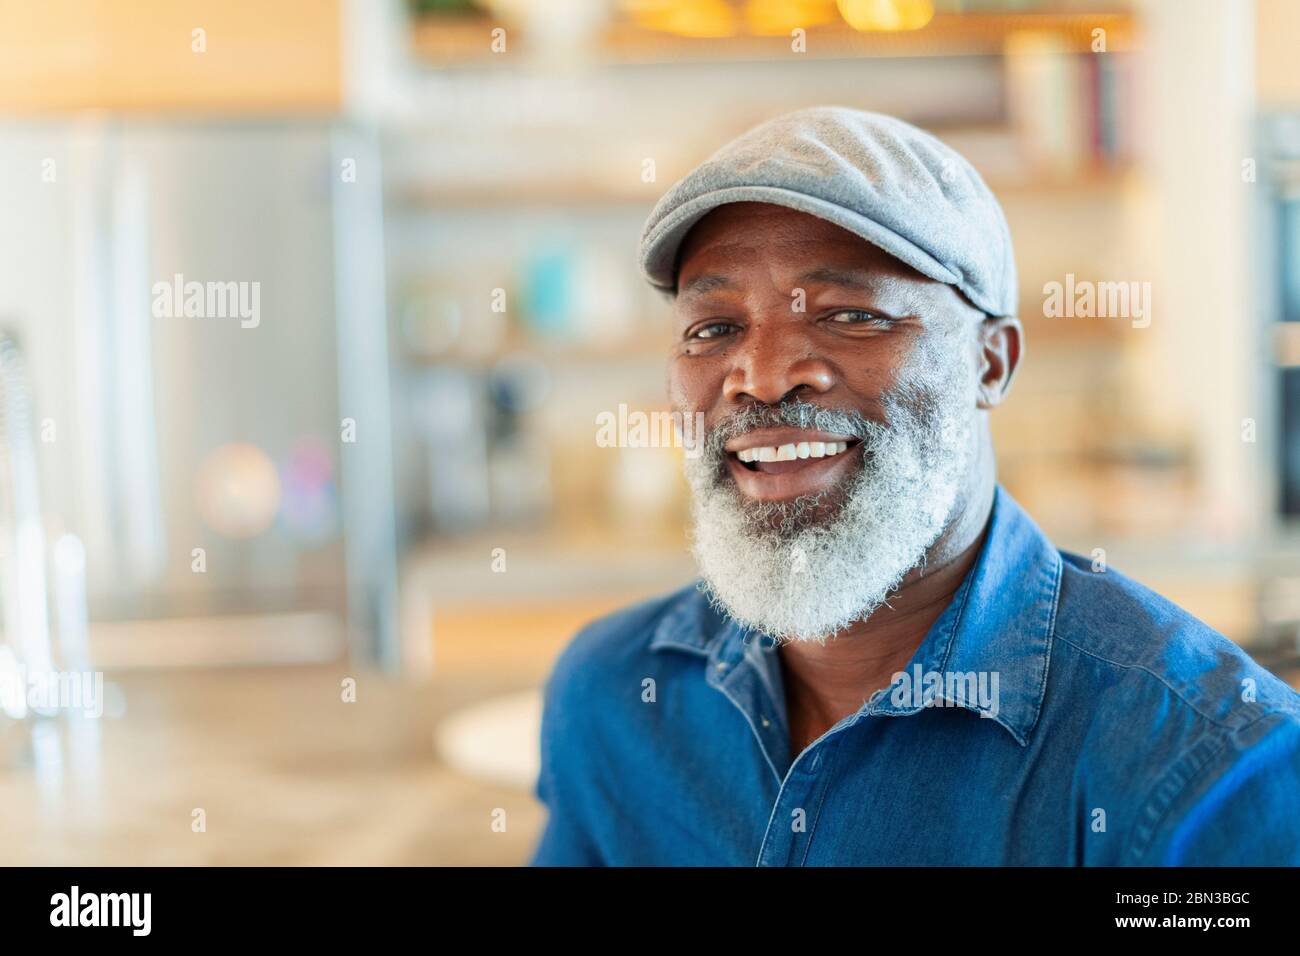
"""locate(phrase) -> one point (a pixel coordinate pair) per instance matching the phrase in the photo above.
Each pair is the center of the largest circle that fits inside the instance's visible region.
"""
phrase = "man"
(887, 662)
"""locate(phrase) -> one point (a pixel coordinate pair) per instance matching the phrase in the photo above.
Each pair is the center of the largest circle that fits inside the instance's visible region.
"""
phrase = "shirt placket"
(744, 674)
(733, 671)
(798, 805)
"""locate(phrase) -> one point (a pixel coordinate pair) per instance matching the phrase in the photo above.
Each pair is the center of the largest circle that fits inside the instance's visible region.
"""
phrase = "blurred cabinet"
(166, 431)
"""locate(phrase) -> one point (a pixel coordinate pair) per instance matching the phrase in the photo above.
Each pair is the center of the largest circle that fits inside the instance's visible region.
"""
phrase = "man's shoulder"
(620, 642)
(1178, 716)
(1137, 638)
(1121, 650)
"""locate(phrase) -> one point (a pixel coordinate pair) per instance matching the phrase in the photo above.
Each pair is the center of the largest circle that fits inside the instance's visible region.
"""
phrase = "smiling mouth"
(790, 457)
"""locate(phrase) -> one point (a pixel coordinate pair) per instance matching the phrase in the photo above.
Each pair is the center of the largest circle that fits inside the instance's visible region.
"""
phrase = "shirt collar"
(1000, 621)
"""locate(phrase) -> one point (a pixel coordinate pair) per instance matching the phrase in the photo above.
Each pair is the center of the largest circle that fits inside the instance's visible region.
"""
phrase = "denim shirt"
(1122, 731)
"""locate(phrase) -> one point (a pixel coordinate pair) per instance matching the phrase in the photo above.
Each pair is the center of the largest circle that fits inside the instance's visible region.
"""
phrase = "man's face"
(795, 337)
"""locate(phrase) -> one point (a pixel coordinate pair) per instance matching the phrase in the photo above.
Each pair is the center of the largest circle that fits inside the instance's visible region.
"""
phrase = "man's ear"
(1000, 340)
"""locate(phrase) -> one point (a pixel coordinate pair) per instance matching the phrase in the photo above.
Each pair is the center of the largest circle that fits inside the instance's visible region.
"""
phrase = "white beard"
(791, 572)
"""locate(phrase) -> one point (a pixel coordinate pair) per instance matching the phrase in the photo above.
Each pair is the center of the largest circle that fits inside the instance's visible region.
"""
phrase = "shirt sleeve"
(565, 840)
(1243, 807)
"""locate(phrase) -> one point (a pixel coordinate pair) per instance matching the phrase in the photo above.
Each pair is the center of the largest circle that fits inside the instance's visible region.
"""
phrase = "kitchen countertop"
(285, 772)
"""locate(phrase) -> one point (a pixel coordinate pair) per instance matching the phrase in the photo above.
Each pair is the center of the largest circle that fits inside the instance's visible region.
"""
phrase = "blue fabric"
(1126, 733)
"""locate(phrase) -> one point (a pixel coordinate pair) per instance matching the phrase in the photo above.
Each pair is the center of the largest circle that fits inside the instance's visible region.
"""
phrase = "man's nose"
(773, 364)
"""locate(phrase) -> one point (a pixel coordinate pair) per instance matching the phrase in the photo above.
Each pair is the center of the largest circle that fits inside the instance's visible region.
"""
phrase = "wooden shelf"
(259, 58)
(472, 196)
(577, 192)
(461, 41)
(563, 353)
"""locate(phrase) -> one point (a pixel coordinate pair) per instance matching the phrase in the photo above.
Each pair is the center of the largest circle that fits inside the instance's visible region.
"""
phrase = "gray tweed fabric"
(876, 176)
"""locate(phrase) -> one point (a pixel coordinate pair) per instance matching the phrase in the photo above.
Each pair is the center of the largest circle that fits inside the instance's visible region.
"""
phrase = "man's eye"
(712, 330)
(859, 317)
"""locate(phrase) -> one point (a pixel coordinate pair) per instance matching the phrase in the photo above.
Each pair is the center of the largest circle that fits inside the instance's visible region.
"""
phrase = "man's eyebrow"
(703, 284)
(827, 275)
(847, 278)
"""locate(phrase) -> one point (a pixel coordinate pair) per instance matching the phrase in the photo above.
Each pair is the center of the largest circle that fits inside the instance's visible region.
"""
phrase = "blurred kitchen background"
(326, 562)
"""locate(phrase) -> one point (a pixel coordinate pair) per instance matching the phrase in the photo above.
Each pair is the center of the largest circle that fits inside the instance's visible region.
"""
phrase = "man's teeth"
(804, 449)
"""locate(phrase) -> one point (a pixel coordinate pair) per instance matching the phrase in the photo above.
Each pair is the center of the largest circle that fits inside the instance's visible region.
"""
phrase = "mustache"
(794, 413)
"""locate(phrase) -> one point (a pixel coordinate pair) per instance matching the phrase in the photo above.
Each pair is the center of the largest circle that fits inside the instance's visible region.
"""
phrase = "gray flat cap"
(885, 180)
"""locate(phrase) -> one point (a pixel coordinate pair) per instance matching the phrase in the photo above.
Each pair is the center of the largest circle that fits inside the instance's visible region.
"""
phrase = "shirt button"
(722, 665)
(766, 722)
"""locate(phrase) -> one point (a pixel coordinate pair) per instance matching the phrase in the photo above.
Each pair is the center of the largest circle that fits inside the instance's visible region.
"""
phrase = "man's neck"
(826, 682)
